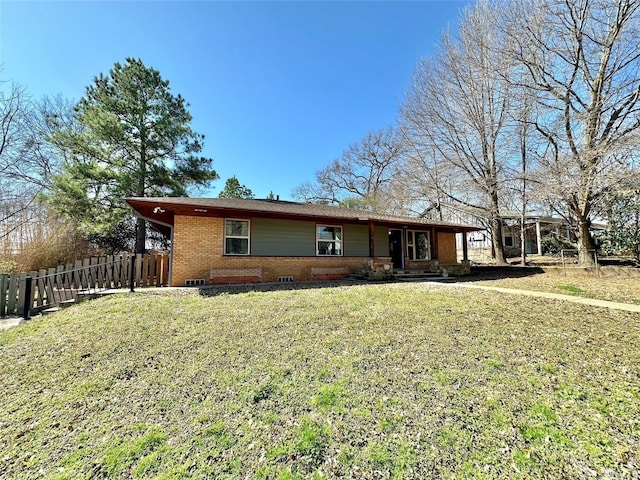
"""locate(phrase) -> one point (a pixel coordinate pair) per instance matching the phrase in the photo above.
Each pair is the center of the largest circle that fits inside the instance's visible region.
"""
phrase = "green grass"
(621, 285)
(570, 288)
(367, 381)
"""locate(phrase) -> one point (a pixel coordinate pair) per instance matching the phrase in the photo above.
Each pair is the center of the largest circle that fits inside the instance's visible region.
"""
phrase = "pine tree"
(233, 189)
(136, 141)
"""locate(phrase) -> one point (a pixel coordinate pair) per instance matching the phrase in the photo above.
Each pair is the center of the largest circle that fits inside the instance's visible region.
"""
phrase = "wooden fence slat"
(21, 293)
(44, 288)
(151, 270)
(86, 273)
(122, 270)
(99, 273)
(93, 273)
(157, 270)
(4, 286)
(60, 284)
(151, 281)
(115, 272)
(68, 275)
(109, 266)
(51, 292)
(13, 292)
(165, 270)
(145, 270)
(138, 270)
(32, 292)
(151, 262)
(77, 284)
(39, 288)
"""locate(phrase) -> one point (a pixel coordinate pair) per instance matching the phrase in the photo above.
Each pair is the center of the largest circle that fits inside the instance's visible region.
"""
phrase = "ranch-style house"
(222, 240)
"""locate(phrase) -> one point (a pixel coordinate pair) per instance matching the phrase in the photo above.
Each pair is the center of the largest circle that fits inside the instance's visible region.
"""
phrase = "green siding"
(382, 242)
(282, 237)
(356, 240)
(270, 237)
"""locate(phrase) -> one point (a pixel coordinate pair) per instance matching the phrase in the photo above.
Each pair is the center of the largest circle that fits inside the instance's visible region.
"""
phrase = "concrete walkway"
(9, 322)
(629, 307)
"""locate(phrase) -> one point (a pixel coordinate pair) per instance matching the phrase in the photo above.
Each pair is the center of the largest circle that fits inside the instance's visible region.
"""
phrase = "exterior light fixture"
(159, 210)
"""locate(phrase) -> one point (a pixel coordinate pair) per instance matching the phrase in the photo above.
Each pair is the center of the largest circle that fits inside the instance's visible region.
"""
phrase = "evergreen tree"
(233, 189)
(624, 225)
(136, 141)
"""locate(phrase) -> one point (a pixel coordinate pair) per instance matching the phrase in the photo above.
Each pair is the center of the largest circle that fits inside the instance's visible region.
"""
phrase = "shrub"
(7, 265)
(60, 242)
(552, 244)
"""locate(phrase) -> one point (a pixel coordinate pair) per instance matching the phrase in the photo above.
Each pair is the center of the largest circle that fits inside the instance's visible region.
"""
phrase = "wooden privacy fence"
(28, 293)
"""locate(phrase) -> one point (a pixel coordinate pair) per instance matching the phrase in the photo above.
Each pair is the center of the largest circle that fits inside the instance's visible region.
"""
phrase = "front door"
(396, 251)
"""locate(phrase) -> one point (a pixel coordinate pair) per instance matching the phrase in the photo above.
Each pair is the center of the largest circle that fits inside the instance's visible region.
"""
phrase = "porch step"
(414, 275)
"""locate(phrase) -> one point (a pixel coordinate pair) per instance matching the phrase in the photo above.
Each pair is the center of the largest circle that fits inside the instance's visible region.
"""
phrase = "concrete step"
(414, 275)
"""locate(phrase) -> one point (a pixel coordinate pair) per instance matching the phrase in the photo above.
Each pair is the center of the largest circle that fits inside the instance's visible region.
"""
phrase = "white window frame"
(341, 241)
(411, 247)
(247, 237)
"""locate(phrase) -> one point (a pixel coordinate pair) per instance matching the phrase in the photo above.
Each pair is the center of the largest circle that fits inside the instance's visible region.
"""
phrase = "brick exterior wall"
(447, 248)
(198, 249)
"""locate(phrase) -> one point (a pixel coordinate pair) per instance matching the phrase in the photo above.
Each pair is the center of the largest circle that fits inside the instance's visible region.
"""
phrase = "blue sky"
(279, 89)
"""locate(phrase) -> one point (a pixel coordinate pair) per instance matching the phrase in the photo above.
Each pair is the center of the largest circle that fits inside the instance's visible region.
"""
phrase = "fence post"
(3, 295)
(31, 290)
(132, 277)
(28, 295)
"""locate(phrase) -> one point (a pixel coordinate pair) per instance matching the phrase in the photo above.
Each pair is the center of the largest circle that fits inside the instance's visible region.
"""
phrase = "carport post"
(465, 248)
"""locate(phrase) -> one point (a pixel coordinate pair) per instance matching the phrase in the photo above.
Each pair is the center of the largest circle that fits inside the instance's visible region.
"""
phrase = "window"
(508, 237)
(418, 245)
(328, 240)
(236, 237)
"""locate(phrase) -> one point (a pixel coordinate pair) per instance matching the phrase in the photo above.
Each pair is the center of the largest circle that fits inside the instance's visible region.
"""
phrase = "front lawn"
(365, 381)
(617, 285)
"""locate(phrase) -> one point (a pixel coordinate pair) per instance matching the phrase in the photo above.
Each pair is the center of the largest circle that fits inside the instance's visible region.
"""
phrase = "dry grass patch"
(370, 381)
(617, 287)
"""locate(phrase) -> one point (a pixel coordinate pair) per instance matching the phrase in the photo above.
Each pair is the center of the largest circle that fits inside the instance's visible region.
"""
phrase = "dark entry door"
(395, 248)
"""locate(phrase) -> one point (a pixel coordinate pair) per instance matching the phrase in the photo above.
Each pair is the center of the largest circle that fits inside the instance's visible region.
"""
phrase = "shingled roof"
(161, 210)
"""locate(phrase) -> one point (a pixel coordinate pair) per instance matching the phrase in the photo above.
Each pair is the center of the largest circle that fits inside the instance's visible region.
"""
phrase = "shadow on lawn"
(477, 274)
(213, 291)
(492, 272)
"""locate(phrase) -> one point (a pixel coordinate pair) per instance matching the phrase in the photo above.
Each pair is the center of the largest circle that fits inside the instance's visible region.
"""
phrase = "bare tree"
(360, 176)
(583, 61)
(14, 199)
(27, 160)
(458, 109)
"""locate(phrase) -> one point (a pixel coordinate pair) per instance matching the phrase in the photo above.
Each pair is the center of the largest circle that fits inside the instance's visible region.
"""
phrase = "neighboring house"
(479, 242)
(224, 240)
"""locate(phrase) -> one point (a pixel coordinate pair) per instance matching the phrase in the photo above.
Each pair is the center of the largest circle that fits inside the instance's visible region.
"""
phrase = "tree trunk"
(585, 244)
(141, 235)
(495, 223)
(523, 239)
(496, 240)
